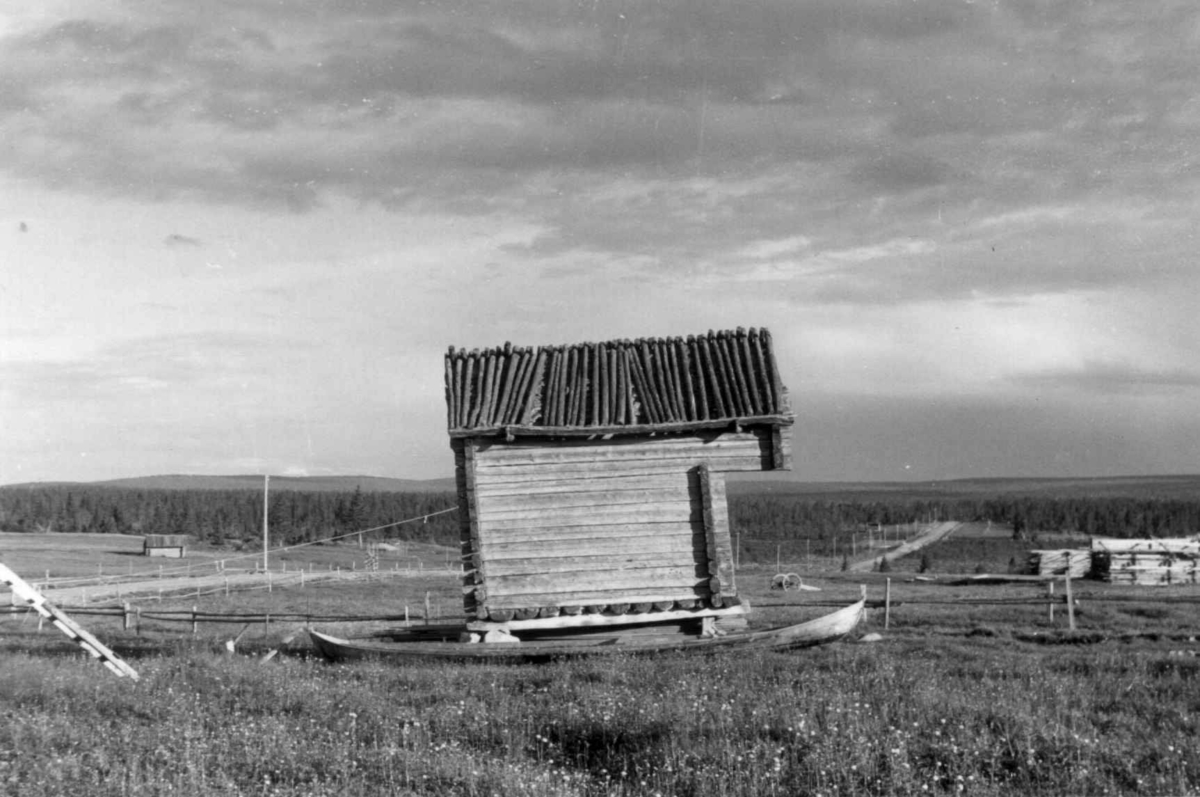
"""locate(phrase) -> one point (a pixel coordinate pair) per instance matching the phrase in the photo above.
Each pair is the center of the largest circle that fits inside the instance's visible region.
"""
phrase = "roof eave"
(513, 431)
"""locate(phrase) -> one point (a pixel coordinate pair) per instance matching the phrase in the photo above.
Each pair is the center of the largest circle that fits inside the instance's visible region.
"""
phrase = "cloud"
(676, 135)
(901, 438)
(406, 103)
(143, 366)
(1112, 378)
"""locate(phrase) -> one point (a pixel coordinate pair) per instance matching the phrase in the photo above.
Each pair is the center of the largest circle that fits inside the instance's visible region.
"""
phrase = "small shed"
(172, 546)
(591, 476)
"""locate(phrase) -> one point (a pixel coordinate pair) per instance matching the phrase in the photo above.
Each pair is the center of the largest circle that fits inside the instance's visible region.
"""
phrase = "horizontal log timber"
(523, 452)
(602, 620)
(593, 546)
(564, 584)
(585, 485)
(525, 430)
(587, 516)
(554, 502)
(551, 470)
(582, 533)
(612, 462)
(590, 601)
(630, 561)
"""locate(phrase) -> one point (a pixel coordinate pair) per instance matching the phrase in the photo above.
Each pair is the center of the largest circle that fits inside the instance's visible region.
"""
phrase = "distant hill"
(1161, 487)
(1143, 487)
(374, 484)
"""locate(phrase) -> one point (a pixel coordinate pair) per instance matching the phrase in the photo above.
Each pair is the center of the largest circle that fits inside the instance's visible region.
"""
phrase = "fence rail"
(131, 614)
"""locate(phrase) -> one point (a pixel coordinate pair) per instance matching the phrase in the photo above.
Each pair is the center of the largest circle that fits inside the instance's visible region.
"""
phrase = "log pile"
(1148, 562)
(1073, 563)
(650, 383)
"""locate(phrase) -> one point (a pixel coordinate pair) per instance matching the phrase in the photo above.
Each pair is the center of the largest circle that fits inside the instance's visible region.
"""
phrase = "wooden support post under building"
(195, 623)
(1050, 592)
(125, 616)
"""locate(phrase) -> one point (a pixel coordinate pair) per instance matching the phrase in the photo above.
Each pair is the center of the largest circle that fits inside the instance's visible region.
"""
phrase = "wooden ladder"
(95, 648)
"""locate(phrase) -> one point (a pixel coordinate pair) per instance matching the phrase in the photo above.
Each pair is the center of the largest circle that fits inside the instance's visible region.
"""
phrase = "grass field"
(960, 697)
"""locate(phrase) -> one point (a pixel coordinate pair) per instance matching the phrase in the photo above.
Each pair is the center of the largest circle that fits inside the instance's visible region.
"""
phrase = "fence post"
(887, 604)
(1070, 603)
(137, 621)
(426, 608)
(1050, 593)
(268, 581)
(195, 623)
(125, 616)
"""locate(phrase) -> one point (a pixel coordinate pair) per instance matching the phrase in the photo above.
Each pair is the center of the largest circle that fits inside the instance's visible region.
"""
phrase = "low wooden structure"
(1066, 562)
(590, 475)
(172, 546)
(1153, 562)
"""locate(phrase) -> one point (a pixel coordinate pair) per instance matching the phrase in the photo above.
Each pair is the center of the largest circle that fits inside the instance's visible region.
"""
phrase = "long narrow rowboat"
(828, 628)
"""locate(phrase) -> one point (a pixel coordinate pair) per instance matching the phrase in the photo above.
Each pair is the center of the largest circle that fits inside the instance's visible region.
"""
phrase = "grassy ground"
(959, 697)
(73, 556)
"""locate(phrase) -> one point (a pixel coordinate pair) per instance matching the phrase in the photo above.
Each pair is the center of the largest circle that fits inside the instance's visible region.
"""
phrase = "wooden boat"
(411, 647)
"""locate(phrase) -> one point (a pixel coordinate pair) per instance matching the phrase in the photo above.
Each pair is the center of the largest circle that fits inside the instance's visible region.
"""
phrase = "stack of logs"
(1151, 562)
(649, 381)
(1073, 563)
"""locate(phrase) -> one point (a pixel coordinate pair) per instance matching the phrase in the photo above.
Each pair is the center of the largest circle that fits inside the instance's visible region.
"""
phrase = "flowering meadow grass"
(977, 714)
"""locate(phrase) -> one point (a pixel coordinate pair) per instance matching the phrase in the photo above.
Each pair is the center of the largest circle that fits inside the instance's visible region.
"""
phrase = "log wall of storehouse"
(590, 476)
(1147, 562)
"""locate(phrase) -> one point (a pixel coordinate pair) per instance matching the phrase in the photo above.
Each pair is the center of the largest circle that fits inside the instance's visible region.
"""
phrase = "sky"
(238, 236)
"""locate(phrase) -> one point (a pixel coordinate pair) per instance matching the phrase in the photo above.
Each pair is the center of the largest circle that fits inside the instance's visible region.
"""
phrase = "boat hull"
(828, 628)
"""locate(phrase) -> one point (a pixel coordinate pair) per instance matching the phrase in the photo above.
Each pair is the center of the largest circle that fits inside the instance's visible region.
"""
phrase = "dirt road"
(935, 533)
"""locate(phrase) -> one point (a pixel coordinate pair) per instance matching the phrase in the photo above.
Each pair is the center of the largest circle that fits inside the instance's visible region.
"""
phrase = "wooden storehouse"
(172, 546)
(590, 476)
(1151, 562)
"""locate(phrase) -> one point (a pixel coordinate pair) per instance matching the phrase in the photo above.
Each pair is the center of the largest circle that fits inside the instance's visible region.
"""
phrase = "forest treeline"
(778, 517)
(219, 516)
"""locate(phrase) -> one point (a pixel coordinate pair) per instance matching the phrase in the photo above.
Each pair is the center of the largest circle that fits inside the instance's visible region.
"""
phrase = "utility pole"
(266, 541)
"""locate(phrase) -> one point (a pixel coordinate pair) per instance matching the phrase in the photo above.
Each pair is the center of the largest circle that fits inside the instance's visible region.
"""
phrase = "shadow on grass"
(607, 750)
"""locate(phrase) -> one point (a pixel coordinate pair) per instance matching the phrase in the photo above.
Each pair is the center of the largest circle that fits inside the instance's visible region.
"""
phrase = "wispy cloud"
(138, 367)
(1107, 378)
